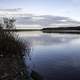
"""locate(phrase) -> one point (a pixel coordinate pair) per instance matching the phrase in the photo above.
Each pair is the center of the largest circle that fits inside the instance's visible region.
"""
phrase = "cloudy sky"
(43, 13)
(67, 8)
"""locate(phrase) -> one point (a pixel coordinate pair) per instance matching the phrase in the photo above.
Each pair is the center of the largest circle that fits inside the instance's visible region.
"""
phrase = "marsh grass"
(12, 50)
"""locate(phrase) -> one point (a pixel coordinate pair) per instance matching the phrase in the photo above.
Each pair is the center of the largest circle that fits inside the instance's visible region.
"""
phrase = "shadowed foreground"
(12, 65)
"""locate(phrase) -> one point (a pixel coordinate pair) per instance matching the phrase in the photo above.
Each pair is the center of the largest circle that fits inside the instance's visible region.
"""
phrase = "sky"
(66, 8)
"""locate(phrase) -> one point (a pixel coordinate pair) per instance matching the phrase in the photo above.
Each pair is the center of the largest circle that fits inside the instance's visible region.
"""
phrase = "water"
(54, 56)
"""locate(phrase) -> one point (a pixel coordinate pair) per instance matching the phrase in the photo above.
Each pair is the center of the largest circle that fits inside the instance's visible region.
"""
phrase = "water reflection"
(38, 38)
(56, 56)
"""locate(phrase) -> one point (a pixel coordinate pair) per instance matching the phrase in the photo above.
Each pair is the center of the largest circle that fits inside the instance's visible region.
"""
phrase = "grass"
(12, 50)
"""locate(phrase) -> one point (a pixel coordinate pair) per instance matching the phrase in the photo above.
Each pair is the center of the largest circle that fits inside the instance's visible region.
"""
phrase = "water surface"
(54, 56)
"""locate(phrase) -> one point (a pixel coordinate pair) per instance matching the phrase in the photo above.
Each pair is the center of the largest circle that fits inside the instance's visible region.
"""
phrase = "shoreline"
(44, 31)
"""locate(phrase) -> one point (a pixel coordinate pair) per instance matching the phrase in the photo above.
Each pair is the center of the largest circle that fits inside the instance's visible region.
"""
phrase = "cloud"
(10, 10)
(39, 20)
(46, 21)
(75, 0)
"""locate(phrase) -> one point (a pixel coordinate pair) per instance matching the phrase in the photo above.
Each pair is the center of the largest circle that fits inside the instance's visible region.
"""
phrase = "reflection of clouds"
(49, 39)
(50, 59)
(76, 41)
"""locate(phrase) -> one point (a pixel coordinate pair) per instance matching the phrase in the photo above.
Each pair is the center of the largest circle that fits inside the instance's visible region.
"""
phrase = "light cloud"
(37, 18)
(46, 21)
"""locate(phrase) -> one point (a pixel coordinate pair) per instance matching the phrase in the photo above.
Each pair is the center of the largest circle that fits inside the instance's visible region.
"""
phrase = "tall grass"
(12, 50)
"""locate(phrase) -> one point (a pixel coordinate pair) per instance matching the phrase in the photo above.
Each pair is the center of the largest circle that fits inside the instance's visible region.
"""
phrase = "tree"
(9, 22)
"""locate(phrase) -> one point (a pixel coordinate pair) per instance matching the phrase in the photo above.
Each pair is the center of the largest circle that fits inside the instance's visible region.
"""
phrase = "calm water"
(54, 56)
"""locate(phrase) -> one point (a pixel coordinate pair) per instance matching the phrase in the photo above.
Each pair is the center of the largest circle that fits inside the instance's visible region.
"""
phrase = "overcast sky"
(67, 8)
